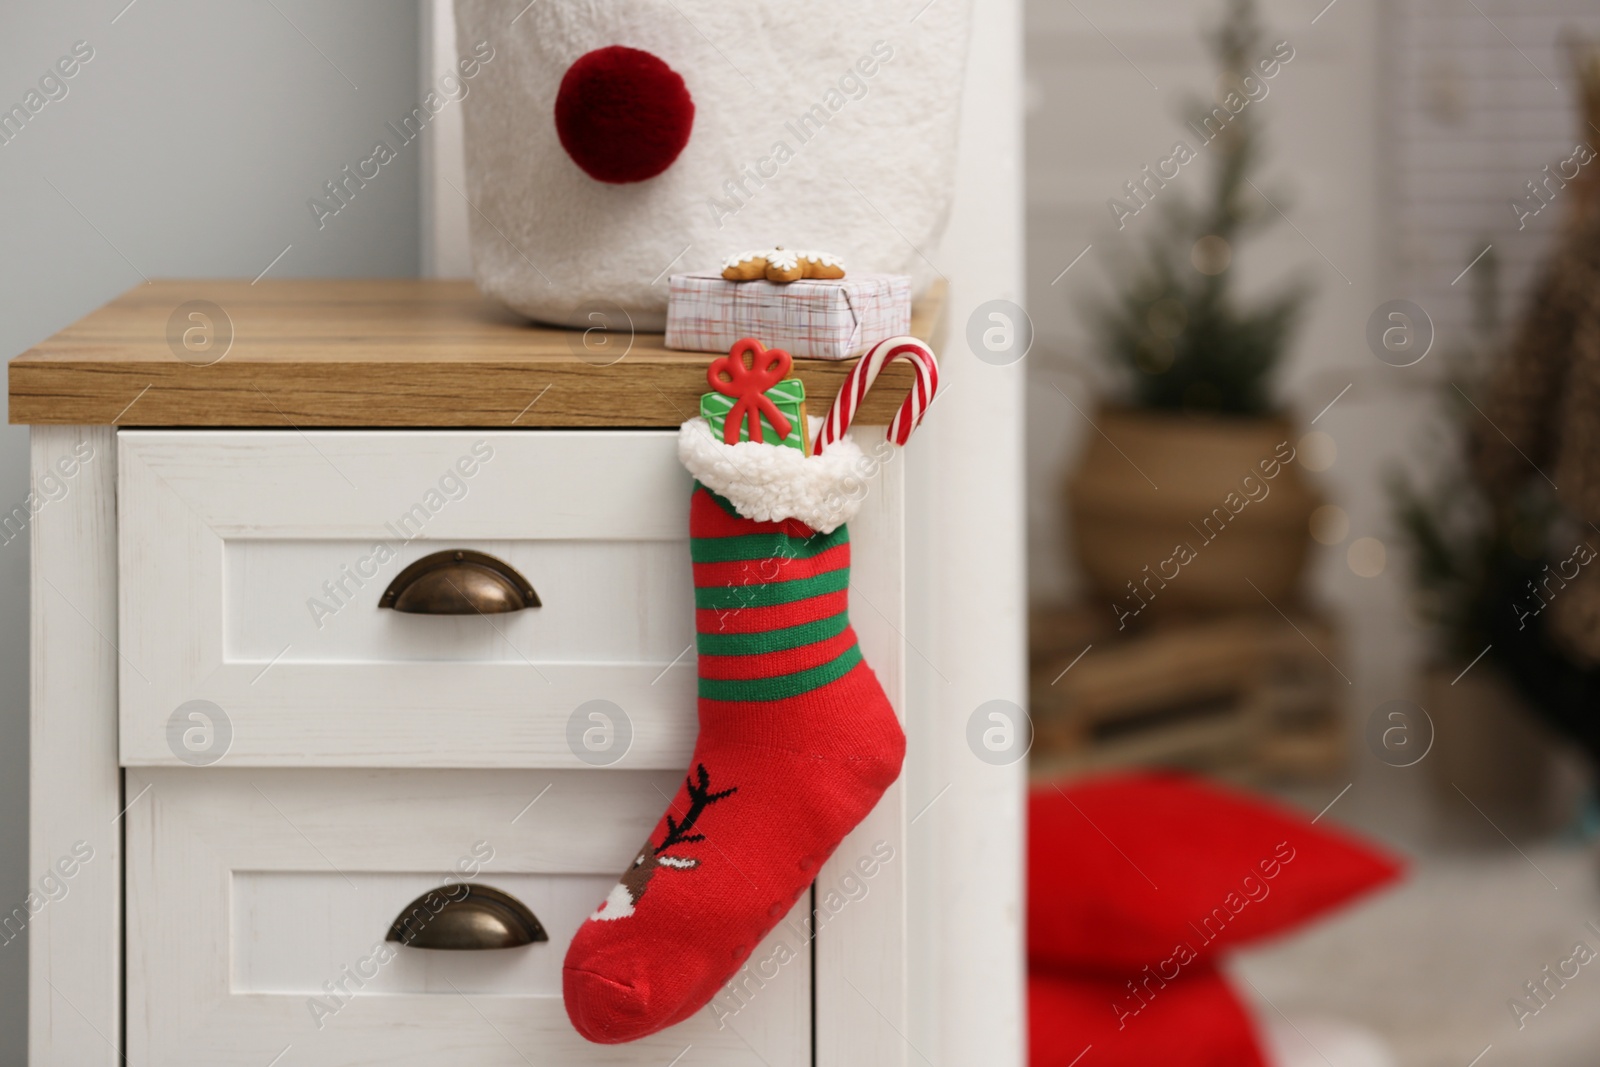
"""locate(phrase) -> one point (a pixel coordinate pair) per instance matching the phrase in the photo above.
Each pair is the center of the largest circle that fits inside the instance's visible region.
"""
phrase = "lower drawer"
(258, 902)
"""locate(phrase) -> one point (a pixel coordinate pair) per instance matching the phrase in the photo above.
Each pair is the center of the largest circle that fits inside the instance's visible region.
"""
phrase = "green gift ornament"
(788, 396)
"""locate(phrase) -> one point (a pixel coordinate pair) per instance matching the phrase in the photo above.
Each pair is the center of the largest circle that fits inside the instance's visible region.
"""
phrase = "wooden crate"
(1254, 697)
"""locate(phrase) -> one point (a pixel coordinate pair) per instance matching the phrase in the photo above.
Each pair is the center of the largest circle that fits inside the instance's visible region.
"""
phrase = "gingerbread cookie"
(781, 265)
(745, 267)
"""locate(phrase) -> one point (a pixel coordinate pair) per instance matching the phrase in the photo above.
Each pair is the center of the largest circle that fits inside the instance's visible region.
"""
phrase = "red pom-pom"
(622, 114)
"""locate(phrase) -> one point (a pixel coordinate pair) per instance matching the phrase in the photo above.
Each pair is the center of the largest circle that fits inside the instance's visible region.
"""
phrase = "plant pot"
(1190, 513)
(1490, 747)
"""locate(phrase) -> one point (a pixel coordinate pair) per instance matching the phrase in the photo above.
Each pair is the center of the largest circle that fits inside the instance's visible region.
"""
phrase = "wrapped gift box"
(837, 319)
(788, 396)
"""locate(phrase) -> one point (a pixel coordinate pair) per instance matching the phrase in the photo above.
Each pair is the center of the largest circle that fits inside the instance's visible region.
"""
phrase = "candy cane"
(860, 379)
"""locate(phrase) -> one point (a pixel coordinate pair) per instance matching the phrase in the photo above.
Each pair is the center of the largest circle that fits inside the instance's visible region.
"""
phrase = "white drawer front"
(258, 901)
(252, 564)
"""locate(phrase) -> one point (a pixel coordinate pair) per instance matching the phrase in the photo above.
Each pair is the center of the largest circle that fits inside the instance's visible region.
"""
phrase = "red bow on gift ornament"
(748, 386)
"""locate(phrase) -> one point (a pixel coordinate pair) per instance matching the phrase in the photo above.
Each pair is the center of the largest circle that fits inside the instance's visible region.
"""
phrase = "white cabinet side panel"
(74, 848)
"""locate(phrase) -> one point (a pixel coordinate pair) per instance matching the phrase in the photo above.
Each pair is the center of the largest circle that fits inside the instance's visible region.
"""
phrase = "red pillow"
(1160, 870)
(1193, 1022)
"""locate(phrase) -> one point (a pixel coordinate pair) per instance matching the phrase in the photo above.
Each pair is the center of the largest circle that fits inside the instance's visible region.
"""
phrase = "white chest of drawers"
(245, 861)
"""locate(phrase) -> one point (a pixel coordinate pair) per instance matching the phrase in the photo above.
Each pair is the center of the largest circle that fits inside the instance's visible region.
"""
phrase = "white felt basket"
(793, 143)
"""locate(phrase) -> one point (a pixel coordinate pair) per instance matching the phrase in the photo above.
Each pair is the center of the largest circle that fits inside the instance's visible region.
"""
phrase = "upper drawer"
(252, 564)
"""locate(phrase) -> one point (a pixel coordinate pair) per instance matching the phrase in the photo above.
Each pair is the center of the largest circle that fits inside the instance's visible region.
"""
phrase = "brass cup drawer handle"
(471, 918)
(459, 581)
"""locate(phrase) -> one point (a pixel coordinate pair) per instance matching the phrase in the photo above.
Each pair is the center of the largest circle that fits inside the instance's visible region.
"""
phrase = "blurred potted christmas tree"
(1503, 558)
(1491, 674)
(1188, 493)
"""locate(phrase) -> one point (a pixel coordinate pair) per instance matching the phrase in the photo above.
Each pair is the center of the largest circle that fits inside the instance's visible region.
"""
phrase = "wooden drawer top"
(391, 352)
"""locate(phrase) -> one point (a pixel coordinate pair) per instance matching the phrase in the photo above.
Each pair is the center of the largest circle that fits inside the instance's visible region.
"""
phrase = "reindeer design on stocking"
(627, 893)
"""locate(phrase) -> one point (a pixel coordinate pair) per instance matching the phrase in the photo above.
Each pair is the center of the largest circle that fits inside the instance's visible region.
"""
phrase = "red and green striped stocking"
(797, 743)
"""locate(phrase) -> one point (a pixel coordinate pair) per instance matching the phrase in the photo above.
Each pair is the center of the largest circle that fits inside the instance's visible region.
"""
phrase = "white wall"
(966, 600)
(187, 146)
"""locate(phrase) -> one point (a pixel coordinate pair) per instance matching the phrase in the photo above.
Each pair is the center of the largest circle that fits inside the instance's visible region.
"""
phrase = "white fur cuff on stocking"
(769, 483)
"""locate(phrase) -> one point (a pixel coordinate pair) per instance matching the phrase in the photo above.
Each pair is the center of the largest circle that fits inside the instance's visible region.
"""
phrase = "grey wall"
(187, 146)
